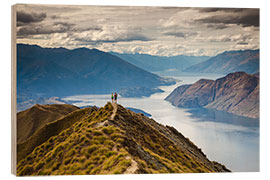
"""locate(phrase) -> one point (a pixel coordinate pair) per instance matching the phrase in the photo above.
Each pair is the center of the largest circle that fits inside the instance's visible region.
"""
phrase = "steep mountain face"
(31, 120)
(229, 61)
(237, 93)
(61, 72)
(110, 140)
(161, 63)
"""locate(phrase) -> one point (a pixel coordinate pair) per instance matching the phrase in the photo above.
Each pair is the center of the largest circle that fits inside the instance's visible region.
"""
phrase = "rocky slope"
(32, 119)
(111, 140)
(237, 93)
(229, 61)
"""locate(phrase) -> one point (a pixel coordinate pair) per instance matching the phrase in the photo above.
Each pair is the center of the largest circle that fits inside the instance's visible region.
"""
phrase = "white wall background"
(5, 84)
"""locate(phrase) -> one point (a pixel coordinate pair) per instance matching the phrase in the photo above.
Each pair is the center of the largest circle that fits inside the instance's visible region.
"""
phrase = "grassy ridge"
(49, 130)
(84, 148)
(166, 156)
(32, 119)
(129, 143)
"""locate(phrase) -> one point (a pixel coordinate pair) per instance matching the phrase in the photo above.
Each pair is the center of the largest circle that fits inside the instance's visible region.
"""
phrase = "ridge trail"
(134, 165)
(114, 111)
(111, 118)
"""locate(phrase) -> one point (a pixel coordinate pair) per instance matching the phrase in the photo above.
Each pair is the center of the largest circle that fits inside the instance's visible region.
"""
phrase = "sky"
(162, 31)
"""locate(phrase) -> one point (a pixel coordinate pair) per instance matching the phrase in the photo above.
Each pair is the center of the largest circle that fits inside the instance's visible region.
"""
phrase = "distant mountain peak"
(237, 93)
(155, 63)
(229, 61)
(58, 72)
(203, 81)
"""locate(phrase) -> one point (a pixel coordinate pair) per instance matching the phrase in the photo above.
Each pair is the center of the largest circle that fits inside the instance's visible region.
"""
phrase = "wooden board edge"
(13, 90)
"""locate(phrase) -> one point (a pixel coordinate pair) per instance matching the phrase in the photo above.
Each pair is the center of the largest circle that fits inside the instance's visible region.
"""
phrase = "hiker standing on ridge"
(115, 97)
(112, 97)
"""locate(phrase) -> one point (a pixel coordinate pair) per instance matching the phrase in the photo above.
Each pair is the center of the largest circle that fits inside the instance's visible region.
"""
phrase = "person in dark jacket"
(115, 97)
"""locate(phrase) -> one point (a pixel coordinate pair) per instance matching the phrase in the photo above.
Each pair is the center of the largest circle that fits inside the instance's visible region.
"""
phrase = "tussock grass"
(80, 149)
(34, 118)
(50, 130)
(88, 146)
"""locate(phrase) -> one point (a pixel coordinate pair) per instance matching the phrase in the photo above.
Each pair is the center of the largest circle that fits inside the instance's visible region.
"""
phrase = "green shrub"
(126, 162)
(27, 170)
(110, 153)
(108, 130)
(66, 161)
(97, 133)
(39, 166)
(71, 153)
(74, 167)
(92, 148)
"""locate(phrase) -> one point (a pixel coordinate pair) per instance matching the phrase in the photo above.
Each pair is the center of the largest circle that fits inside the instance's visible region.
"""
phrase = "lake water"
(229, 139)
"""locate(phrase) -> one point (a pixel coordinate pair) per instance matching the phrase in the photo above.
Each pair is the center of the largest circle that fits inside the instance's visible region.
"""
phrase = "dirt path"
(132, 168)
(110, 118)
(114, 111)
(134, 165)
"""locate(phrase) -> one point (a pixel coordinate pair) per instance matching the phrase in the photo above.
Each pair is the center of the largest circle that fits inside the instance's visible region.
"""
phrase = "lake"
(228, 139)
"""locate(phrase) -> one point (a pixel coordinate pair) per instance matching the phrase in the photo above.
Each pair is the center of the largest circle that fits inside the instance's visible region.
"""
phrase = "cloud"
(55, 17)
(243, 17)
(58, 27)
(113, 39)
(181, 19)
(213, 18)
(111, 34)
(151, 30)
(25, 18)
(237, 38)
(217, 26)
(175, 34)
(223, 38)
(136, 49)
(180, 34)
(220, 9)
(242, 43)
(52, 27)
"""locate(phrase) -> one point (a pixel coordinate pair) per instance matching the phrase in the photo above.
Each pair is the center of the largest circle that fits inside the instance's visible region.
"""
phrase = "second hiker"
(115, 97)
(112, 97)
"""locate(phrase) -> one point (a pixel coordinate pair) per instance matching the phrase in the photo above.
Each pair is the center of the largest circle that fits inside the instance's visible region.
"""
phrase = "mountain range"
(228, 62)
(59, 72)
(237, 93)
(46, 72)
(161, 63)
(109, 140)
